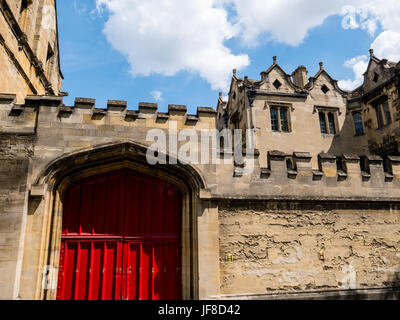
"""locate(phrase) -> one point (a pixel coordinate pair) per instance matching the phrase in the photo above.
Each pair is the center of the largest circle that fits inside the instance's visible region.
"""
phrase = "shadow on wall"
(393, 285)
(391, 292)
(347, 141)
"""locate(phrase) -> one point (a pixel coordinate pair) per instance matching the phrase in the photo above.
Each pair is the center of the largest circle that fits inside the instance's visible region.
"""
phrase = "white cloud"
(157, 95)
(285, 21)
(387, 45)
(359, 65)
(367, 15)
(169, 36)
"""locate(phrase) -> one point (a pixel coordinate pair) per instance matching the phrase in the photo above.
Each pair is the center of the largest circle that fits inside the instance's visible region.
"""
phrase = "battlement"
(345, 177)
(14, 117)
(340, 168)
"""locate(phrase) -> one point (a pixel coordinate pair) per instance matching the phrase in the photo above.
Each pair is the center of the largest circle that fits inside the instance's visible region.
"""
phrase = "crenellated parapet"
(292, 176)
(333, 167)
(22, 117)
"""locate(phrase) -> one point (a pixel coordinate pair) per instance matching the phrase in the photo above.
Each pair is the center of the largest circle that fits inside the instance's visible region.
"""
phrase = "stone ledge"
(6, 98)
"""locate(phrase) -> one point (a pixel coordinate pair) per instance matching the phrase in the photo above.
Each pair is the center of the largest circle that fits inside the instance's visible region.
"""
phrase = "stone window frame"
(335, 111)
(278, 106)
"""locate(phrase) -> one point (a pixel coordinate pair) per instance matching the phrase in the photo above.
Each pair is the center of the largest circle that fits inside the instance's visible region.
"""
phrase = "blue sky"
(96, 46)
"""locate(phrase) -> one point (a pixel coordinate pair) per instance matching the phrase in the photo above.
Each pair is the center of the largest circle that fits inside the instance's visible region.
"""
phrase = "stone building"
(312, 212)
(29, 48)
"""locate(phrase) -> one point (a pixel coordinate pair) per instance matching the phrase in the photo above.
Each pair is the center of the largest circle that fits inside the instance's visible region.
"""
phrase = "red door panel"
(91, 270)
(173, 270)
(120, 239)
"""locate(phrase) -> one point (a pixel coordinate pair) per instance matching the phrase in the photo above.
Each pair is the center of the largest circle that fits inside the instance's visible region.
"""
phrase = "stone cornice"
(283, 94)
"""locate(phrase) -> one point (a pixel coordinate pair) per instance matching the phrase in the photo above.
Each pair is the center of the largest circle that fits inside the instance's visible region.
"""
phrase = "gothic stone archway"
(68, 170)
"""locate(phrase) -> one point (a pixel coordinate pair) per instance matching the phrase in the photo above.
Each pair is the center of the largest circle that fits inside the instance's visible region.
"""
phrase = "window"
(289, 164)
(284, 120)
(379, 118)
(382, 112)
(325, 89)
(358, 125)
(376, 77)
(322, 122)
(386, 111)
(332, 126)
(274, 119)
(277, 84)
(279, 119)
(328, 120)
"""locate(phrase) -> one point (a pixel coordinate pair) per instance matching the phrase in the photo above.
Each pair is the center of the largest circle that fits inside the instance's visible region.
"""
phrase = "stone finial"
(274, 58)
(234, 72)
(220, 94)
(321, 66)
(371, 52)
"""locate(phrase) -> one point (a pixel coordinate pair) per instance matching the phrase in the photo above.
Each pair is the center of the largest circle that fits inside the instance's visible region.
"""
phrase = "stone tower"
(29, 50)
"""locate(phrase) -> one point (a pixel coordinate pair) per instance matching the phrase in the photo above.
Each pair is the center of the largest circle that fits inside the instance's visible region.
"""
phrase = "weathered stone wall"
(15, 152)
(43, 130)
(288, 246)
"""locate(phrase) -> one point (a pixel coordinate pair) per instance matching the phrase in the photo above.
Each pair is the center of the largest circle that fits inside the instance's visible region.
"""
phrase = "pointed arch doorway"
(121, 239)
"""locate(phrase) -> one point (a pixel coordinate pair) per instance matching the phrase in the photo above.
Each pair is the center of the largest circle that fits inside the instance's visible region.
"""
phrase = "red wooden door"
(120, 239)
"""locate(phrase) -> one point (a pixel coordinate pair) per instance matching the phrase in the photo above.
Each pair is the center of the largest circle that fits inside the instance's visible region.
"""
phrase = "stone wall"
(289, 246)
(274, 222)
(15, 152)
